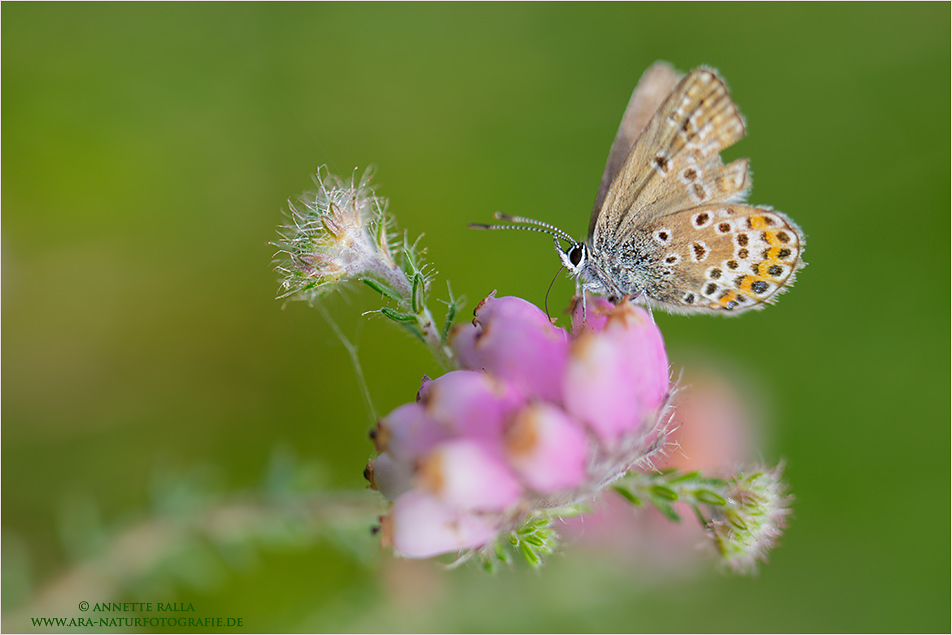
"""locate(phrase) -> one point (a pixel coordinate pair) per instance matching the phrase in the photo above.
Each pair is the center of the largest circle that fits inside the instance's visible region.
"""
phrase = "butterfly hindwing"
(723, 258)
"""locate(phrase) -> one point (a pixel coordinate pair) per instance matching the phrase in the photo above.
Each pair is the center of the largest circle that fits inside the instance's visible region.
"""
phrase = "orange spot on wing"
(727, 298)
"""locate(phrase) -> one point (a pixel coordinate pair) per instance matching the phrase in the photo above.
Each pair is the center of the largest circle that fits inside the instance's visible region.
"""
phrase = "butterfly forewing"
(675, 162)
(653, 88)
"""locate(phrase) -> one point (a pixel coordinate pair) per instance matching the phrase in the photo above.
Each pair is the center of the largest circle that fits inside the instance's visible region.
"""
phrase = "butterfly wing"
(723, 258)
(654, 86)
(675, 161)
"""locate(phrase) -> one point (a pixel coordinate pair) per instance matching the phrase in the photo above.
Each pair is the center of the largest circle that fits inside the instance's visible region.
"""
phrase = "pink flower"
(513, 340)
(535, 420)
(420, 526)
(547, 448)
(617, 373)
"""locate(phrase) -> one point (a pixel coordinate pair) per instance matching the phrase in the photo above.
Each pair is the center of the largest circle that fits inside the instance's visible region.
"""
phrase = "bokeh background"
(148, 152)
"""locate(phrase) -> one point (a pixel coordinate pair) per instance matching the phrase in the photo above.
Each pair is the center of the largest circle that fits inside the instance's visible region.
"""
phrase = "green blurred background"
(148, 151)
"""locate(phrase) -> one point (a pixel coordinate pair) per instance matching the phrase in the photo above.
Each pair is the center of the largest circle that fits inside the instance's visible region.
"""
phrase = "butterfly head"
(588, 272)
(574, 258)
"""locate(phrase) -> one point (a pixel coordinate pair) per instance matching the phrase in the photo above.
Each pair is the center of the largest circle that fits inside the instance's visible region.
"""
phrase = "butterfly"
(670, 227)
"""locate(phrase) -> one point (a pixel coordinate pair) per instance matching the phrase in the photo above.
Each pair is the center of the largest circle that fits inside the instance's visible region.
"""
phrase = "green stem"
(354, 360)
(434, 339)
(671, 486)
(157, 540)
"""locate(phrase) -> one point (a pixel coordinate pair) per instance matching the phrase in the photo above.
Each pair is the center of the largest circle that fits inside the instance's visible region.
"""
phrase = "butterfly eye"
(575, 254)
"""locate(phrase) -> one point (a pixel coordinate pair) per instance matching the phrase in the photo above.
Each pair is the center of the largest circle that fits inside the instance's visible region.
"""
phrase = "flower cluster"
(530, 423)
(537, 420)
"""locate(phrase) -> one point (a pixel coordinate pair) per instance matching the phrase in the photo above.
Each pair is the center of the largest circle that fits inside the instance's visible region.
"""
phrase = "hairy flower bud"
(747, 527)
(338, 234)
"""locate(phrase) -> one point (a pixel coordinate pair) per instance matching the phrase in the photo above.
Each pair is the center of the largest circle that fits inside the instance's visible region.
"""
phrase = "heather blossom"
(530, 423)
(530, 434)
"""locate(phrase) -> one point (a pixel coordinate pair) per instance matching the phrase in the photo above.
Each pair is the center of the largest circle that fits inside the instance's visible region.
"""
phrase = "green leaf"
(627, 495)
(710, 498)
(666, 509)
(451, 309)
(530, 555)
(397, 316)
(664, 492)
(381, 289)
(700, 517)
(687, 476)
(500, 552)
(736, 521)
(416, 294)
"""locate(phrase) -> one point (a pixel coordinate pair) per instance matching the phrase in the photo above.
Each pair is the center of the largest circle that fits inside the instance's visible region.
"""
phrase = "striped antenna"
(533, 226)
